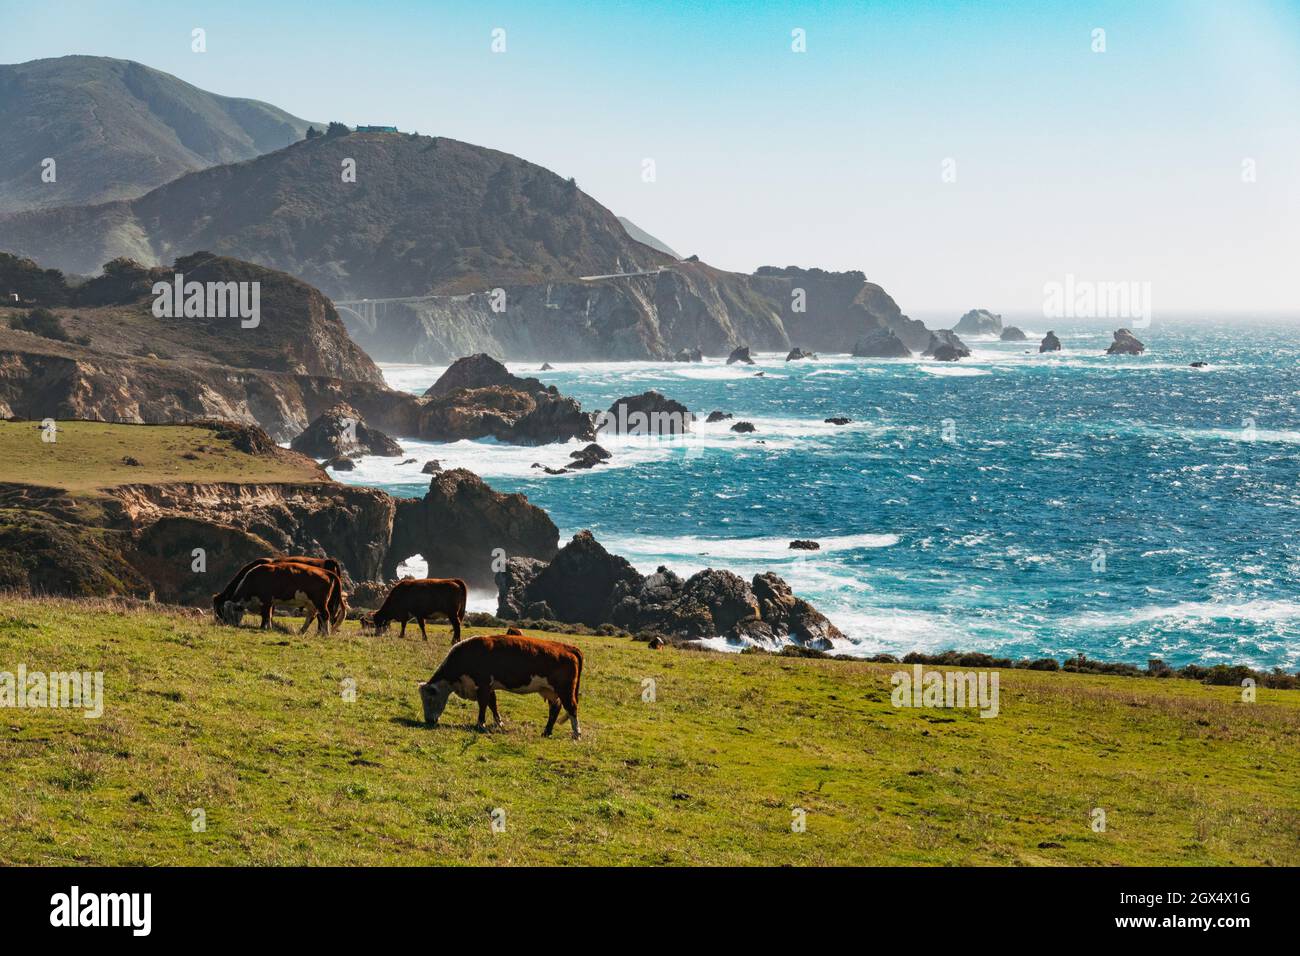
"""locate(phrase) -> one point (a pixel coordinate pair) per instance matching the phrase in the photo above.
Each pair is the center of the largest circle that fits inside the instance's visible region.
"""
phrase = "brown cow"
(479, 667)
(421, 598)
(313, 589)
(338, 612)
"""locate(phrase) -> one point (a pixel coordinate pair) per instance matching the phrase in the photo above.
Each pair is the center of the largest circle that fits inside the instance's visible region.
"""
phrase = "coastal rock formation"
(838, 420)
(803, 544)
(462, 525)
(949, 344)
(1013, 334)
(979, 322)
(831, 311)
(797, 354)
(1050, 343)
(477, 397)
(649, 413)
(740, 354)
(586, 584)
(1126, 343)
(717, 416)
(882, 343)
(744, 427)
(340, 432)
(689, 355)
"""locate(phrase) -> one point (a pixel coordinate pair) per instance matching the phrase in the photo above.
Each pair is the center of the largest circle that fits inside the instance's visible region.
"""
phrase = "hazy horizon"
(1167, 159)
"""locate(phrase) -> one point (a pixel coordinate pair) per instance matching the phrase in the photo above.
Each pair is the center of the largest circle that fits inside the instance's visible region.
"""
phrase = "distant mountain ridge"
(447, 222)
(116, 129)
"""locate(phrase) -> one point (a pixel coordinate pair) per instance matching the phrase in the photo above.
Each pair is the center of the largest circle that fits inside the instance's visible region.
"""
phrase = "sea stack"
(1050, 343)
(979, 322)
(1126, 343)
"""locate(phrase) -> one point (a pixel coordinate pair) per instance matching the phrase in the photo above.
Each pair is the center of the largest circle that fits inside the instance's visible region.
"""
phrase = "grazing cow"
(480, 666)
(315, 590)
(422, 598)
(229, 615)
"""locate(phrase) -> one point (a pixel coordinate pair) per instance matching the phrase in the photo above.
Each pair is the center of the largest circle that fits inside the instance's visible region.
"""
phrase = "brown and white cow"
(422, 598)
(225, 614)
(315, 590)
(480, 666)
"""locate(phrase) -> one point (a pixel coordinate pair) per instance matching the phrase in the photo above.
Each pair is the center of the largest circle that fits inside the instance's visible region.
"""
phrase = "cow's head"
(374, 622)
(230, 612)
(434, 696)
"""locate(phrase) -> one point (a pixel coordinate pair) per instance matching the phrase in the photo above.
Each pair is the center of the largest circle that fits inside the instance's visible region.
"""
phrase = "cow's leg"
(403, 634)
(455, 627)
(322, 621)
(570, 700)
(308, 615)
(267, 609)
(423, 632)
(484, 701)
(550, 722)
(492, 702)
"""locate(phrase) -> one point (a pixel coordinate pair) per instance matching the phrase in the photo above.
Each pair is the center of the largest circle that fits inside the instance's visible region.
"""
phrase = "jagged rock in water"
(432, 466)
(979, 322)
(1013, 334)
(546, 367)
(803, 544)
(340, 432)
(740, 354)
(744, 427)
(838, 420)
(954, 348)
(1126, 343)
(649, 413)
(797, 354)
(689, 355)
(716, 416)
(477, 397)
(459, 523)
(882, 343)
(1050, 343)
(586, 584)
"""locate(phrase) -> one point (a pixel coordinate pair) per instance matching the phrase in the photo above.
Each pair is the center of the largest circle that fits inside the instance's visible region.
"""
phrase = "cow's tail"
(462, 600)
(577, 680)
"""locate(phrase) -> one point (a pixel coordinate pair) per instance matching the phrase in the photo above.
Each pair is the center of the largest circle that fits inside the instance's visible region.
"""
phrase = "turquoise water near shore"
(1022, 504)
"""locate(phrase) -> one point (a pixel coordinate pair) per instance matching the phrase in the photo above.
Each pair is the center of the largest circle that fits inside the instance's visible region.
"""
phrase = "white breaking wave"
(652, 551)
(1255, 612)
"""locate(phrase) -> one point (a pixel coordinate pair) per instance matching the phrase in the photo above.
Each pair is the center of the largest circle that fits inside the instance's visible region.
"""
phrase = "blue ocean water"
(1016, 503)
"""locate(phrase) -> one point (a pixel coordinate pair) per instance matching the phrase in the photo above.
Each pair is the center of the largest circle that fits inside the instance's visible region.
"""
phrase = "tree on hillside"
(337, 129)
(312, 132)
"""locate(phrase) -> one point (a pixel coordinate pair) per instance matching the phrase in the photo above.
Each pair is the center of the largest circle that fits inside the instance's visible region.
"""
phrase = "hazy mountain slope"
(643, 237)
(423, 215)
(117, 129)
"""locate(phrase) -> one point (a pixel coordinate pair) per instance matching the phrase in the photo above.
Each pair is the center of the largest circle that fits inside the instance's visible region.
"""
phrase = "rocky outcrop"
(881, 343)
(795, 355)
(1013, 334)
(717, 416)
(586, 584)
(1126, 343)
(340, 432)
(1050, 343)
(689, 355)
(649, 413)
(463, 528)
(946, 346)
(831, 311)
(744, 428)
(477, 397)
(740, 354)
(979, 322)
(803, 544)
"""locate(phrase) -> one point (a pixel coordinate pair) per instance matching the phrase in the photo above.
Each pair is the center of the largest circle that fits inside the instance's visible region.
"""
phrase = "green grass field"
(253, 728)
(89, 455)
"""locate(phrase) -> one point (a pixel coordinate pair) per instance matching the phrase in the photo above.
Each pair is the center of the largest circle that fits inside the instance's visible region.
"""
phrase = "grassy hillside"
(118, 129)
(90, 455)
(253, 728)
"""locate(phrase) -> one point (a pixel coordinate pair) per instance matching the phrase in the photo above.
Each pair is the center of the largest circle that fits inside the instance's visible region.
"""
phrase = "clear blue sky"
(1117, 165)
